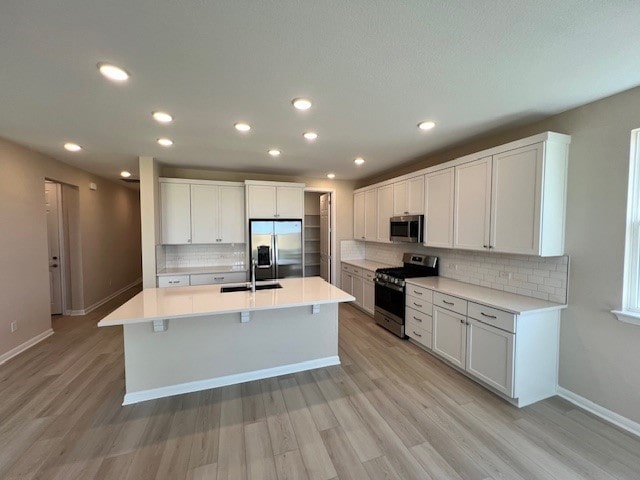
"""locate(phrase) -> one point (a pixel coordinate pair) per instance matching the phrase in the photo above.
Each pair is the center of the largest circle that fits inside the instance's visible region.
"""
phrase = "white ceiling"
(373, 69)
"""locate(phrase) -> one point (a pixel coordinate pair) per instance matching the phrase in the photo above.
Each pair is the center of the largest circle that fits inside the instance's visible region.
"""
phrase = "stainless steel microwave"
(407, 228)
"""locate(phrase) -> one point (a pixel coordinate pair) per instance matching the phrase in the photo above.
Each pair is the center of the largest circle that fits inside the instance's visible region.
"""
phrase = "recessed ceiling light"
(72, 147)
(242, 127)
(359, 161)
(274, 152)
(331, 175)
(165, 142)
(311, 136)
(112, 72)
(301, 103)
(426, 125)
(125, 174)
(162, 117)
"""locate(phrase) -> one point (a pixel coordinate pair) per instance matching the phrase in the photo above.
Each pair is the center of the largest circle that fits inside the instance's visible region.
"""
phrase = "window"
(630, 312)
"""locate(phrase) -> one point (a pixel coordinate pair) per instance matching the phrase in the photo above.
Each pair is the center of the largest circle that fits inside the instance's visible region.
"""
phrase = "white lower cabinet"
(368, 296)
(218, 278)
(201, 279)
(359, 283)
(490, 353)
(173, 281)
(450, 336)
(515, 355)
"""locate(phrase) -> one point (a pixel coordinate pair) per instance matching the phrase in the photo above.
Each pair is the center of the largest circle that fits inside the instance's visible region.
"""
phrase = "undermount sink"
(247, 288)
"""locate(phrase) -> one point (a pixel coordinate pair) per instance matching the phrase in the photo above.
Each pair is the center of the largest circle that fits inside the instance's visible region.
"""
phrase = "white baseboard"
(143, 395)
(600, 411)
(104, 300)
(25, 346)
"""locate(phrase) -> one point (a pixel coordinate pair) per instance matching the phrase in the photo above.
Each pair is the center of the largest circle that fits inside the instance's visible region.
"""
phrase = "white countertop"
(180, 302)
(367, 264)
(509, 302)
(197, 270)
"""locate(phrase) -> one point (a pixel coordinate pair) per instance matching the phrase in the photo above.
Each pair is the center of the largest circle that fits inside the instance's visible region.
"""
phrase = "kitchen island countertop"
(178, 302)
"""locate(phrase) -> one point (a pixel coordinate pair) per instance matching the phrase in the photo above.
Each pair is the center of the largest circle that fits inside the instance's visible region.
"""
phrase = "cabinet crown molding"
(192, 181)
(552, 137)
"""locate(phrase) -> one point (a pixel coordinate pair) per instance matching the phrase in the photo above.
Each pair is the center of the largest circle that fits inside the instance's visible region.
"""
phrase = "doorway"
(319, 244)
(55, 236)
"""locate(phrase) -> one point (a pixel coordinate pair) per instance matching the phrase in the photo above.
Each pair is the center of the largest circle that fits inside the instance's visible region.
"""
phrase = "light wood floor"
(390, 411)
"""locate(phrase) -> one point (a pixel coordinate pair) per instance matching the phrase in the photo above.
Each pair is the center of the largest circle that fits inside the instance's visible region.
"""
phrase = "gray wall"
(108, 238)
(599, 355)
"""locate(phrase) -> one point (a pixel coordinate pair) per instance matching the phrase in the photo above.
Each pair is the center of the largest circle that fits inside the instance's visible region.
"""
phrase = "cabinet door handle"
(487, 315)
(485, 246)
(448, 303)
(417, 334)
(417, 319)
(218, 278)
(462, 321)
(417, 305)
(417, 292)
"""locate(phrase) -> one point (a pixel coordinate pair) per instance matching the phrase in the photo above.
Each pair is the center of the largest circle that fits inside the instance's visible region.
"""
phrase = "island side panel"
(203, 352)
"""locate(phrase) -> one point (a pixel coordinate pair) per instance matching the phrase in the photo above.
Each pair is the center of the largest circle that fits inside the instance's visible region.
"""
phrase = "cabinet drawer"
(420, 335)
(419, 305)
(493, 316)
(216, 278)
(419, 292)
(368, 275)
(420, 319)
(454, 304)
(351, 269)
(173, 281)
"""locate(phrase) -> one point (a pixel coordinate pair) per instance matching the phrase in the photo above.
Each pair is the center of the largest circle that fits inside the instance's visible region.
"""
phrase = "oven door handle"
(392, 286)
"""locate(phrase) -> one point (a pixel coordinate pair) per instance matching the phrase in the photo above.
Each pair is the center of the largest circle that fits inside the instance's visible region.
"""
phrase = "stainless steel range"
(390, 284)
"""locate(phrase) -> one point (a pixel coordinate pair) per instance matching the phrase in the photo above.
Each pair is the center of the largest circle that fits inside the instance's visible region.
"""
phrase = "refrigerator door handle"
(275, 253)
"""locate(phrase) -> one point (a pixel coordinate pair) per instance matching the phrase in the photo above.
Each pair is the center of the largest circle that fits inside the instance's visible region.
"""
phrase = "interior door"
(51, 195)
(325, 236)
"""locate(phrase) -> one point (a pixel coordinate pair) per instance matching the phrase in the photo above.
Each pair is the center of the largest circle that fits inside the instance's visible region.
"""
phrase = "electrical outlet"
(14, 326)
(506, 275)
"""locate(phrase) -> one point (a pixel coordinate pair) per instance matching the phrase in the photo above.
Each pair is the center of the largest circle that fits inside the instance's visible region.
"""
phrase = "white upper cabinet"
(472, 205)
(204, 214)
(408, 196)
(201, 213)
(231, 214)
(358, 216)
(275, 199)
(439, 201)
(261, 201)
(516, 195)
(371, 215)
(175, 213)
(385, 212)
(509, 199)
(290, 202)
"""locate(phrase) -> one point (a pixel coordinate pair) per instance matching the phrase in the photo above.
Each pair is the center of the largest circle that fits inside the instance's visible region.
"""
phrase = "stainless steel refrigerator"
(277, 247)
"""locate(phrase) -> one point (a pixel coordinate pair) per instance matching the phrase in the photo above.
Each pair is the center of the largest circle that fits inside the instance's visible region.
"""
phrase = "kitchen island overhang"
(185, 339)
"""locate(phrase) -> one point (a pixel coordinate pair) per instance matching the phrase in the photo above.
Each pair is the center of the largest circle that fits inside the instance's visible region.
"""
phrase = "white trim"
(524, 142)
(143, 395)
(602, 412)
(25, 346)
(104, 300)
(630, 301)
(194, 181)
(627, 317)
(332, 225)
(274, 184)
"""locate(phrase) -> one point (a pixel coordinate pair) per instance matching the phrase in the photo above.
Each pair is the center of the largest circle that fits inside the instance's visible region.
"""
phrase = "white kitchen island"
(185, 339)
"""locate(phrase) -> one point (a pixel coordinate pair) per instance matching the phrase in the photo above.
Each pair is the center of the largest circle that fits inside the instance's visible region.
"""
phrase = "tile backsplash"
(175, 256)
(539, 277)
(352, 250)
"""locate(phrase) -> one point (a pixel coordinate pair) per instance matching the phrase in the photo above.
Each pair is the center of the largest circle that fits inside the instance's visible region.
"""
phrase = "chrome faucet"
(253, 275)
